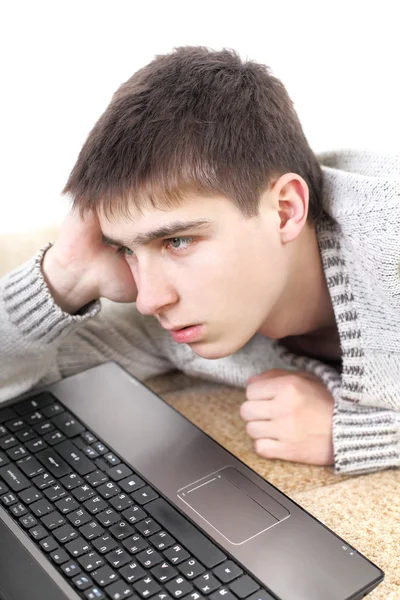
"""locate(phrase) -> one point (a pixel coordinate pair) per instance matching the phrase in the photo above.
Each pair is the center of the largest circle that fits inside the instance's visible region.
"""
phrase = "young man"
(229, 251)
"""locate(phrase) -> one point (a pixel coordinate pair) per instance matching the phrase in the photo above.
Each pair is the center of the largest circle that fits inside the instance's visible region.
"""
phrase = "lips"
(191, 333)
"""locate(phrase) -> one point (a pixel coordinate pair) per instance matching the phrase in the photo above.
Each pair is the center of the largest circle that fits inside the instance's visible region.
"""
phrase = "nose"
(155, 292)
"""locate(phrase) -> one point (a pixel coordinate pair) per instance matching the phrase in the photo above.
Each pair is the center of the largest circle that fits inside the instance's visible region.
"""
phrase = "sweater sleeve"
(365, 438)
(40, 343)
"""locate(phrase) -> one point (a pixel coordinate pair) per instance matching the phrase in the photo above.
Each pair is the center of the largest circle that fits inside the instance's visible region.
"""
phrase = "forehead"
(142, 224)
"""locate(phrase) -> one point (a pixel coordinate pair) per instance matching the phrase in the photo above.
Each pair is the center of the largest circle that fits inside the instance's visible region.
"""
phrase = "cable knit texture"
(359, 242)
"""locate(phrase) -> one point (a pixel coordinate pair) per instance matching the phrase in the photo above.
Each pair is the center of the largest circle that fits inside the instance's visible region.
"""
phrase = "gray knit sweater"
(359, 241)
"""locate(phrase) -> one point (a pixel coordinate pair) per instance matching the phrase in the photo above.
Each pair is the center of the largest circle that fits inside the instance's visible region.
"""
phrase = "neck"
(305, 305)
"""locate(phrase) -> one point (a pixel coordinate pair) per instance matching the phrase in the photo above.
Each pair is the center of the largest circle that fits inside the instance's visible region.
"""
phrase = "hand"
(79, 267)
(289, 415)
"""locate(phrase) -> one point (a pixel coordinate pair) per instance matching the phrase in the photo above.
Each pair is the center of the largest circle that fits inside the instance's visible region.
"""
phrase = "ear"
(292, 200)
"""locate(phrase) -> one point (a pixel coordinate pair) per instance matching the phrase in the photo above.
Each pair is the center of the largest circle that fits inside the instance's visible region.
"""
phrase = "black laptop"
(107, 492)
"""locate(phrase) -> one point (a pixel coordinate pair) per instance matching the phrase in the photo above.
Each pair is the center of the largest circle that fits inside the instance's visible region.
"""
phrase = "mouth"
(187, 334)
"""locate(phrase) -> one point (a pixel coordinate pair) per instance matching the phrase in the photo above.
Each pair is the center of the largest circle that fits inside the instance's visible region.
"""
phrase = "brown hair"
(193, 121)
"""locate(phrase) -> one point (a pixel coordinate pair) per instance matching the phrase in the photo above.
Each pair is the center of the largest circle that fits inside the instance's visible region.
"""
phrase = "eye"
(179, 243)
(124, 251)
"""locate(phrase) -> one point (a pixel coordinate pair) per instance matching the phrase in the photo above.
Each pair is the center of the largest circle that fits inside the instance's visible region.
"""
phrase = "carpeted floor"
(364, 510)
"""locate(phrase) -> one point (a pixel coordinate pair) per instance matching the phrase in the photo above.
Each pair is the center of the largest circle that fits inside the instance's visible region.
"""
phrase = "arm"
(40, 343)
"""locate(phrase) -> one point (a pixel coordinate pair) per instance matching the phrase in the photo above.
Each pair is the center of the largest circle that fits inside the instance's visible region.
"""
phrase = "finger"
(257, 410)
(270, 448)
(262, 429)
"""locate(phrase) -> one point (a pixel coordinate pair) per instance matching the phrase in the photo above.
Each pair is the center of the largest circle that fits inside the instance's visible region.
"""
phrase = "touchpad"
(224, 500)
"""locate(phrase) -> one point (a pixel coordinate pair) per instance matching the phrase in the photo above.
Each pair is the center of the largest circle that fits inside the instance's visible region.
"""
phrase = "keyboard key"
(15, 424)
(134, 514)
(118, 590)
(65, 534)
(38, 532)
(41, 507)
(144, 495)
(67, 424)
(59, 556)
(91, 561)
(119, 472)
(111, 458)
(9, 499)
(53, 520)
(35, 403)
(14, 478)
(94, 593)
(17, 452)
(104, 576)
(95, 505)
(118, 557)
(53, 462)
(8, 441)
(71, 481)
(48, 544)
(96, 478)
(146, 586)
(51, 411)
(55, 492)
(121, 530)
(148, 527)
(108, 490)
(135, 543)
(176, 554)
(162, 540)
(149, 558)
(74, 457)
(6, 414)
(54, 437)
(222, 594)
(44, 427)
(24, 435)
(65, 505)
(178, 587)
(105, 543)
(35, 445)
(244, 586)
(71, 568)
(79, 517)
(83, 492)
(18, 509)
(82, 581)
(100, 448)
(121, 502)
(91, 530)
(88, 437)
(43, 480)
(227, 572)
(131, 484)
(30, 466)
(78, 546)
(108, 517)
(191, 568)
(34, 418)
(190, 537)
(29, 495)
(132, 572)
(207, 583)
(28, 521)
(164, 572)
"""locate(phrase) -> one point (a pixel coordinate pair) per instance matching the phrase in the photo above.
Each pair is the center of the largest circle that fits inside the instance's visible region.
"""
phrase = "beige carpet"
(364, 510)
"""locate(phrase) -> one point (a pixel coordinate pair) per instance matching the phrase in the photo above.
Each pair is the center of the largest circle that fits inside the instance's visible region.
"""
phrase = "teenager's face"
(225, 274)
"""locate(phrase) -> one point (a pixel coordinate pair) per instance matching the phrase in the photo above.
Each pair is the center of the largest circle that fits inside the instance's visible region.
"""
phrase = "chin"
(214, 351)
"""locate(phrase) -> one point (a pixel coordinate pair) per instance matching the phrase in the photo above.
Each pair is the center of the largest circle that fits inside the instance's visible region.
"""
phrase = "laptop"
(107, 492)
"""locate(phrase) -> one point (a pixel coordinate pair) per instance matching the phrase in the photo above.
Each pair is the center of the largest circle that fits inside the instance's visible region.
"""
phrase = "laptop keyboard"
(105, 529)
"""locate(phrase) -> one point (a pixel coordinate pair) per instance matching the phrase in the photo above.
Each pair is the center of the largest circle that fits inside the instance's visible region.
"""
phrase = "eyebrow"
(170, 229)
